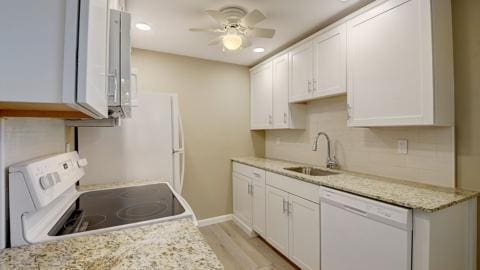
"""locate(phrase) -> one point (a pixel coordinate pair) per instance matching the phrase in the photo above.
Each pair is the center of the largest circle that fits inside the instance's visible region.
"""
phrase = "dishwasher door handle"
(354, 210)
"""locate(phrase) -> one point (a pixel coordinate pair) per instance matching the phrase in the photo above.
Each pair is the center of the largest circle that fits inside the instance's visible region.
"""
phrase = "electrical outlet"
(402, 146)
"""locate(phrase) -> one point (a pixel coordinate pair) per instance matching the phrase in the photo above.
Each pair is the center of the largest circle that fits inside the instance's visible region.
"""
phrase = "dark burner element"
(141, 211)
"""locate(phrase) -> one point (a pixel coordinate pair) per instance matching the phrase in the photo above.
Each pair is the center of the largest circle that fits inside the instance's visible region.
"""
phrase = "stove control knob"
(47, 181)
(82, 162)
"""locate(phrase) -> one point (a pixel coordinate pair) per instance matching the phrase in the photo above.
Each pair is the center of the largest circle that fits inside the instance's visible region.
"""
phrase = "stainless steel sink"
(310, 171)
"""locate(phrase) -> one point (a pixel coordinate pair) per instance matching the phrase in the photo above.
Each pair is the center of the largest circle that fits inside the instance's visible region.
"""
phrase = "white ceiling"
(171, 19)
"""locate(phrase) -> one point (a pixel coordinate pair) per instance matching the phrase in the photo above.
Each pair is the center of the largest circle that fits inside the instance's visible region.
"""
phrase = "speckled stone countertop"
(174, 244)
(408, 194)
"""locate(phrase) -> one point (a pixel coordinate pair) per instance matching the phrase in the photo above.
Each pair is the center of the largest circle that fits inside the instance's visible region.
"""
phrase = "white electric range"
(46, 205)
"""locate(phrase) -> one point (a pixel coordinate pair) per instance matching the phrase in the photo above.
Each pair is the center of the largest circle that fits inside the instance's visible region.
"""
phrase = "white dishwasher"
(363, 234)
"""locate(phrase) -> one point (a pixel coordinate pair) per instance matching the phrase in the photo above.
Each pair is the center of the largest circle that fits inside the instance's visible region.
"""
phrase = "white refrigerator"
(147, 146)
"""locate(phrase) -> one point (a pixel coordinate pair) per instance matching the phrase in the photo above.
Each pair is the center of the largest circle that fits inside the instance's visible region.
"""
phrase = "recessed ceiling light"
(259, 50)
(143, 26)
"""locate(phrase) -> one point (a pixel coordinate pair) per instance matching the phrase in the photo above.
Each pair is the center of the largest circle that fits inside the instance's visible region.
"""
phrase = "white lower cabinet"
(249, 198)
(242, 201)
(258, 208)
(304, 232)
(293, 222)
(277, 219)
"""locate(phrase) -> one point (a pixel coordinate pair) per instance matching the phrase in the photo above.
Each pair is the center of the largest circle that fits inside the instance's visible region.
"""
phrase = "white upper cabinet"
(400, 64)
(261, 90)
(280, 92)
(301, 72)
(330, 62)
(270, 108)
(318, 67)
(40, 70)
(92, 60)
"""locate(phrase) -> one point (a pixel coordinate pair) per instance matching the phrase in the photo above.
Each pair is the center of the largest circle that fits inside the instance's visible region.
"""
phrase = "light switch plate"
(402, 146)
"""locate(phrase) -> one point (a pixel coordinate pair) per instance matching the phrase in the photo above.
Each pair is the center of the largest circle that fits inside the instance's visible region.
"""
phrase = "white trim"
(3, 200)
(214, 220)
(471, 255)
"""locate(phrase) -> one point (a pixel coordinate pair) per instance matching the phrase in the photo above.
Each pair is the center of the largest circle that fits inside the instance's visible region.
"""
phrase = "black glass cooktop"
(113, 207)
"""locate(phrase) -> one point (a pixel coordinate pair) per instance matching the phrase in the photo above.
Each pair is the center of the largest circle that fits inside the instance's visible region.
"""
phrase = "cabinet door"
(277, 219)
(261, 88)
(258, 208)
(304, 232)
(242, 201)
(301, 72)
(281, 113)
(390, 65)
(92, 57)
(330, 62)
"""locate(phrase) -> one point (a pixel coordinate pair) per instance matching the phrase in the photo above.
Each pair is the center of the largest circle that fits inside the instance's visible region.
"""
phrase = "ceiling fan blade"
(246, 42)
(215, 41)
(253, 17)
(217, 16)
(261, 32)
(213, 30)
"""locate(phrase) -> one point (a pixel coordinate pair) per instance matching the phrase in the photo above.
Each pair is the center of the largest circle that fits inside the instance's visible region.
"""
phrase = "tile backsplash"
(27, 138)
(430, 158)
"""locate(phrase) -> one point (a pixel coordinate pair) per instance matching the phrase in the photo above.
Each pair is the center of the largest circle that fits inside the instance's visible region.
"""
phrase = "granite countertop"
(408, 194)
(176, 244)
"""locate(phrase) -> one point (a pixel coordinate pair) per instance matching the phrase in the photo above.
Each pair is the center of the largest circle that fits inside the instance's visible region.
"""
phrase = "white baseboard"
(214, 220)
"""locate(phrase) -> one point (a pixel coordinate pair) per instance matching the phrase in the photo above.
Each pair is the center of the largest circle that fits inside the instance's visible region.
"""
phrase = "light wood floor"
(236, 250)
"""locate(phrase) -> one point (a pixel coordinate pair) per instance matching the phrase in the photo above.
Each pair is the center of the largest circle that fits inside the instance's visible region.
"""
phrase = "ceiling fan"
(236, 27)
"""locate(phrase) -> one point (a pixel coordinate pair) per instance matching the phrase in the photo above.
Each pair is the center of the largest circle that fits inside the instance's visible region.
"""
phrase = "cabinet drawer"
(296, 187)
(257, 175)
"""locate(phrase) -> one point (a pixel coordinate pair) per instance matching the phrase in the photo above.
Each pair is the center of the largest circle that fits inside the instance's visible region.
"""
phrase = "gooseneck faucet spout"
(331, 161)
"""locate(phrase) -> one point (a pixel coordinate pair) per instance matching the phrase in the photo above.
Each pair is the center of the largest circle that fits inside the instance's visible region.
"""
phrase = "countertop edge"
(378, 178)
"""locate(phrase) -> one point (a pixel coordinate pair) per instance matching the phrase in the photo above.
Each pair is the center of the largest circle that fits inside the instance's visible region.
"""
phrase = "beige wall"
(214, 101)
(466, 43)
(430, 158)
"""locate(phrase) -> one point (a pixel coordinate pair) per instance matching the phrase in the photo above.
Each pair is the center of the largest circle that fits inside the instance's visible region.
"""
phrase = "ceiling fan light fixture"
(232, 41)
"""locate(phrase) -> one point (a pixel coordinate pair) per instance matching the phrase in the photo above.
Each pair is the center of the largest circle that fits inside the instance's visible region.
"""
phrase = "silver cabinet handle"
(314, 85)
(289, 210)
(284, 207)
(349, 111)
(251, 189)
(270, 119)
(309, 86)
(114, 75)
(285, 118)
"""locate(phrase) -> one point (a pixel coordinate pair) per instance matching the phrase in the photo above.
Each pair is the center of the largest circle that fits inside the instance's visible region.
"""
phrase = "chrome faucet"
(331, 161)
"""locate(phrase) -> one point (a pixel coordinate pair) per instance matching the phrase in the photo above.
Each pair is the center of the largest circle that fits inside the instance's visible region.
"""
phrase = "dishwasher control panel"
(395, 215)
